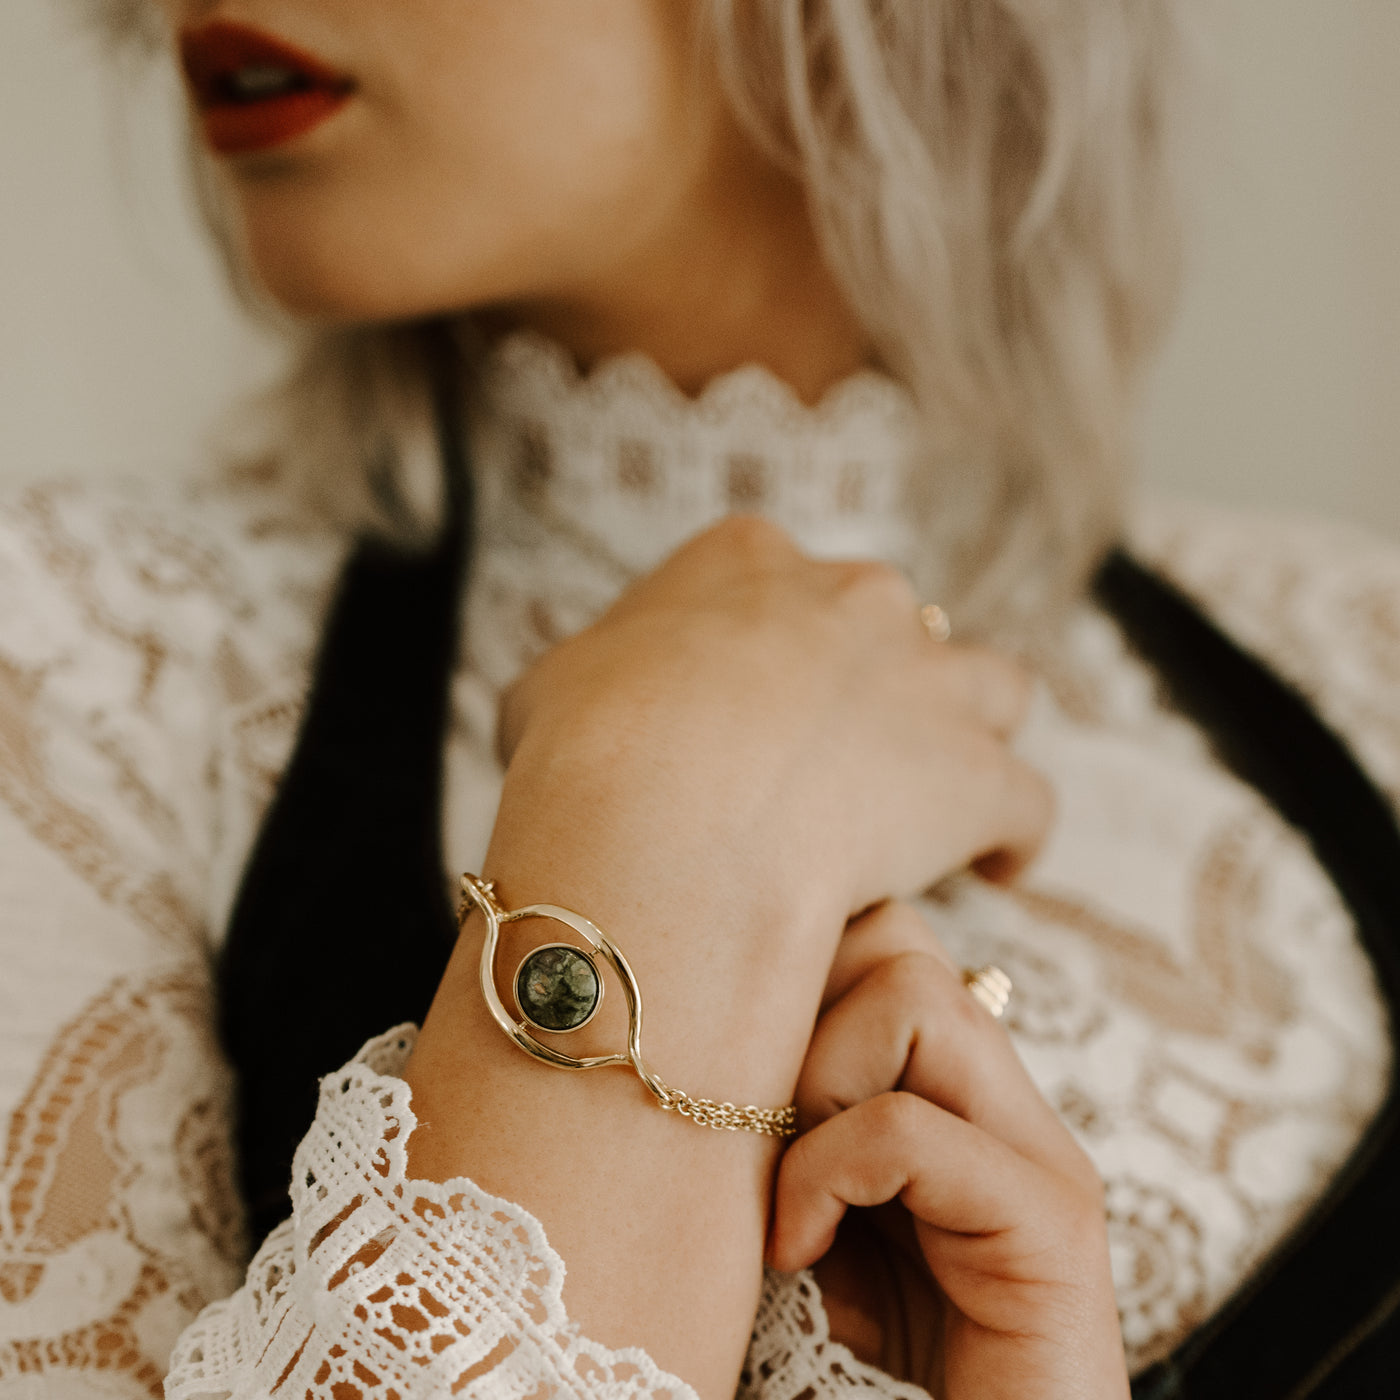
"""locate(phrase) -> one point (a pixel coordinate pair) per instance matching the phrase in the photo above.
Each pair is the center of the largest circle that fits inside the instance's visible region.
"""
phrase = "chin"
(321, 290)
(357, 264)
(337, 283)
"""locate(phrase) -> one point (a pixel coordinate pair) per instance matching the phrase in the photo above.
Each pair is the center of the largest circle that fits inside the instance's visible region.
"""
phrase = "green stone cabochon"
(557, 988)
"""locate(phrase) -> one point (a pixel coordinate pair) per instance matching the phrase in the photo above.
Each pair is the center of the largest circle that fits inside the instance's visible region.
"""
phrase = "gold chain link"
(730, 1118)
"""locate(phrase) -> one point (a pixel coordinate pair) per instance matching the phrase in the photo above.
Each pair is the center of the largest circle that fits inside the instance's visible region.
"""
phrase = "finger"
(978, 683)
(1008, 812)
(986, 686)
(735, 550)
(883, 931)
(909, 1023)
(1020, 1255)
(873, 592)
(1030, 806)
(947, 1173)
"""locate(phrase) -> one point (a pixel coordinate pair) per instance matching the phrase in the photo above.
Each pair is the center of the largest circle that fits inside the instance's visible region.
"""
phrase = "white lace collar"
(623, 458)
(585, 481)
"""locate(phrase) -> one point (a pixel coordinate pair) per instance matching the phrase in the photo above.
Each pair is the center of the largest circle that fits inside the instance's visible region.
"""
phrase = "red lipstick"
(255, 92)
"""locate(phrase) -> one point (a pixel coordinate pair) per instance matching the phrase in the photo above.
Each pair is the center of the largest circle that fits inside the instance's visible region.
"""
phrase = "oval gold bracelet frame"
(480, 894)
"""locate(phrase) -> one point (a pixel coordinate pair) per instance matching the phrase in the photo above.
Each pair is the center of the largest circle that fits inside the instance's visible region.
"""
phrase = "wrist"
(731, 978)
(558, 989)
(711, 1024)
(628, 1195)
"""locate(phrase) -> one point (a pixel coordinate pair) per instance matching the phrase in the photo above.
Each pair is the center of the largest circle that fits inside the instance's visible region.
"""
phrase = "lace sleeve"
(381, 1285)
(385, 1286)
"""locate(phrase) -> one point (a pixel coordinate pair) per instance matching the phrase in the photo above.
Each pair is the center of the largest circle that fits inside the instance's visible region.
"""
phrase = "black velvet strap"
(343, 924)
(1312, 1322)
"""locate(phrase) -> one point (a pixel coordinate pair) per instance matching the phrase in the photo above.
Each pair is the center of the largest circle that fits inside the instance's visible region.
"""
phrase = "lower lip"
(244, 128)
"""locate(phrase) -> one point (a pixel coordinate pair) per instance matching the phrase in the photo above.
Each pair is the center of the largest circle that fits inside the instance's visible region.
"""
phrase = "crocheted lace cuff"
(381, 1285)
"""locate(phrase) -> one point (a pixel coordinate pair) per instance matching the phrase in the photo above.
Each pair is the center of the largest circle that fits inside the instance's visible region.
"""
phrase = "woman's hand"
(786, 725)
(987, 1275)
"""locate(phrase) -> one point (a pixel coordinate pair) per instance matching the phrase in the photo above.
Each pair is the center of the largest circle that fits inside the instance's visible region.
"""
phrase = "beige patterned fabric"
(152, 657)
(1189, 992)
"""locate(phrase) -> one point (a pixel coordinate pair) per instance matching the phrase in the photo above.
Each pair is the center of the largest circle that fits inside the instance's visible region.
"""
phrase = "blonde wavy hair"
(992, 184)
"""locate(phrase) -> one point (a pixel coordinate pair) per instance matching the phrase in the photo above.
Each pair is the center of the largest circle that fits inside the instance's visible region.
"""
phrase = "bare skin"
(746, 752)
(981, 1212)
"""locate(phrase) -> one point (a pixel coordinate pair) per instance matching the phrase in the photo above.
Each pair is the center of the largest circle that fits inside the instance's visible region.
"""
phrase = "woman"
(939, 231)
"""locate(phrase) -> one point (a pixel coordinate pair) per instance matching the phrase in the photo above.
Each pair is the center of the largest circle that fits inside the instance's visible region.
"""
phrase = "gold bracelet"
(558, 988)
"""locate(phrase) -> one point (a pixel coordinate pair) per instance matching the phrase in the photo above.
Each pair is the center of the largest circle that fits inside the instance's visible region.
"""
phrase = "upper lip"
(226, 62)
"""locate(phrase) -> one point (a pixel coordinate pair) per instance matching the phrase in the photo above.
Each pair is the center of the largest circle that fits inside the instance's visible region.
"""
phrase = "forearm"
(661, 1222)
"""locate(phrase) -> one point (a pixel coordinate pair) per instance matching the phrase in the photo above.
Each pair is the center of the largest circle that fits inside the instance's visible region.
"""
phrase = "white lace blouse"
(1189, 991)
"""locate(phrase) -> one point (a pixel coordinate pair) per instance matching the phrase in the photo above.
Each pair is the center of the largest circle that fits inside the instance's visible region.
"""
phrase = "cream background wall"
(1280, 385)
(118, 344)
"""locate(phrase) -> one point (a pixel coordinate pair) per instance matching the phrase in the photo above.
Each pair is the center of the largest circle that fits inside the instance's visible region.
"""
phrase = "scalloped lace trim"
(753, 389)
(585, 481)
(385, 1286)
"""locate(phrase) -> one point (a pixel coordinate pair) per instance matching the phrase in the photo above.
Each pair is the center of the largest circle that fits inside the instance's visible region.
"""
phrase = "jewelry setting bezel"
(544, 948)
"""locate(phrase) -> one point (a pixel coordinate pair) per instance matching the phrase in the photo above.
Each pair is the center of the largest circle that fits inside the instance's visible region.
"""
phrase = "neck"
(739, 280)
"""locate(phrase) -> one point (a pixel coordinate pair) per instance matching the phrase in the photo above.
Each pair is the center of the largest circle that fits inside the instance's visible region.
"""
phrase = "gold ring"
(990, 986)
(936, 622)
